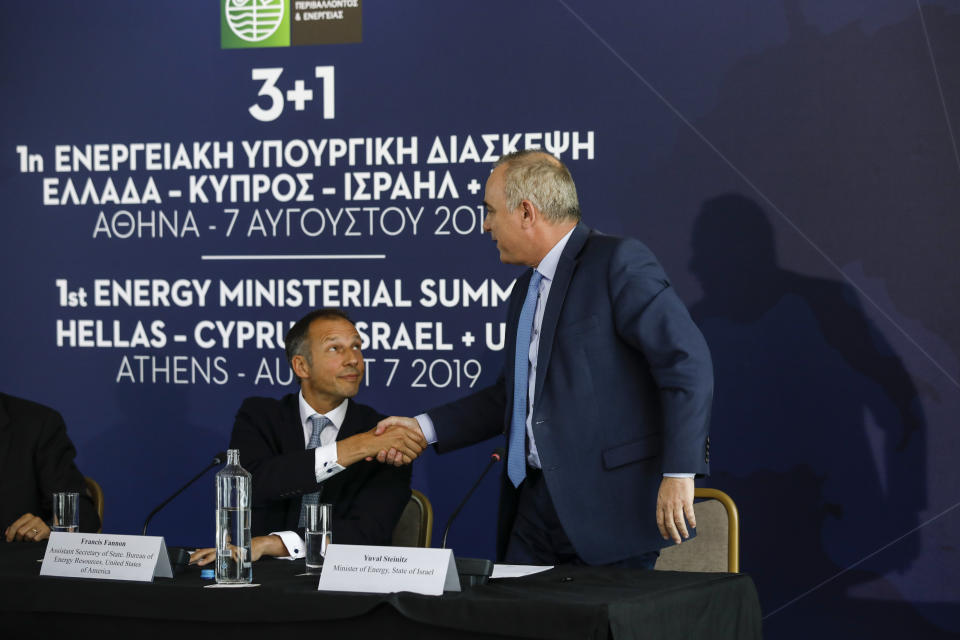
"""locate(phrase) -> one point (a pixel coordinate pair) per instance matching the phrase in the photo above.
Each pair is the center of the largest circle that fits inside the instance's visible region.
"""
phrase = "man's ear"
(300, 367)
(528, 214)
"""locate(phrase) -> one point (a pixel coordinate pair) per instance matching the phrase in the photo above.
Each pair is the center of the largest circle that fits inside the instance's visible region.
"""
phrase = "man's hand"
(27, 528)
(203, 557)
(393, 456)
(259, 546)
(674, 500)
(392, 443)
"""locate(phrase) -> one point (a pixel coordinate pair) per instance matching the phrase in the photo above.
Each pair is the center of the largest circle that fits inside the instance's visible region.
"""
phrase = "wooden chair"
(716, 547)
(96, 494)
(416, 522)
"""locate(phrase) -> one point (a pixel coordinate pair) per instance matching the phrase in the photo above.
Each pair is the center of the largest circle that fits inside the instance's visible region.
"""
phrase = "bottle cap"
(206, 574)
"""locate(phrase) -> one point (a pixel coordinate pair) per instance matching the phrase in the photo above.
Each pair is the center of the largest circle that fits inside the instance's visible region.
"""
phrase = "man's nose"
(486, 223)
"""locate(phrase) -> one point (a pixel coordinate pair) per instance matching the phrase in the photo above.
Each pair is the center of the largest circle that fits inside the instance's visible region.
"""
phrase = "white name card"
(354, 567)
(106, 557)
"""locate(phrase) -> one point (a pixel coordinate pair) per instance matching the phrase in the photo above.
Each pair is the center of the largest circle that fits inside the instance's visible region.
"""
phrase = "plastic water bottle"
(234, 487)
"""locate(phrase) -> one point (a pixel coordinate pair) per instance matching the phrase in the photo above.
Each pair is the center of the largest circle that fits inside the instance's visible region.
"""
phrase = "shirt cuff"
(426, 426)
(325, 462)
(679, 475)
(293, 543)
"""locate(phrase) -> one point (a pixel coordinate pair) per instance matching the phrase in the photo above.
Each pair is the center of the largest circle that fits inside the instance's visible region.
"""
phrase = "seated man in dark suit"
(320, 441)
(36, 459)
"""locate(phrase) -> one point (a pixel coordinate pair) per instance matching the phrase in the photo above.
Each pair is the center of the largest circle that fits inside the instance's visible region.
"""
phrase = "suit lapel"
(291, 439)
(351, 424)
(558, 292)
(291, 429)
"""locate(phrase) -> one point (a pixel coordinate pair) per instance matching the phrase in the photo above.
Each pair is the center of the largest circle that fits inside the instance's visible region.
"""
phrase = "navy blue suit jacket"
(367, 497)
(623, 394)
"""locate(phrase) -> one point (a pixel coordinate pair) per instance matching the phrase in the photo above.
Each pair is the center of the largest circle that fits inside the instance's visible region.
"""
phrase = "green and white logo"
(254, 23)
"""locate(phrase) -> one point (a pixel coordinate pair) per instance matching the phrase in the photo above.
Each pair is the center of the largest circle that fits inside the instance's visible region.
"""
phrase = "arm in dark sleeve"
(56, 471)
(278, 474)
(652, 319)
(471, 419)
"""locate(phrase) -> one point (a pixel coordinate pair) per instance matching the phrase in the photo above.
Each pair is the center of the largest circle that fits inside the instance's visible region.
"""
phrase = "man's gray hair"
(542, 179)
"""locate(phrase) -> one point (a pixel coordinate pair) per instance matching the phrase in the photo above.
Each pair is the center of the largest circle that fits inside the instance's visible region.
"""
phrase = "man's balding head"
(542, 179)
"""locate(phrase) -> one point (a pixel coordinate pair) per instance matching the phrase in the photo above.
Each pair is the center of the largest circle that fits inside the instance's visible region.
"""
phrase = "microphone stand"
(472, 571)
(218, 459)
(494, 458)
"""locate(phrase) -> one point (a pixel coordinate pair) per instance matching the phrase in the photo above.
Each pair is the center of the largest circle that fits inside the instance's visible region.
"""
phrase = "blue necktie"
(516, 453)
(319, 423)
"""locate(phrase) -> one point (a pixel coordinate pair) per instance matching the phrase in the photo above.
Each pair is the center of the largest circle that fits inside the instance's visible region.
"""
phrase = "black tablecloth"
(566, 602)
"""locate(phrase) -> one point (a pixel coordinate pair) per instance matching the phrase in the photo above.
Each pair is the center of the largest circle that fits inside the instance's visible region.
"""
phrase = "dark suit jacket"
(367, 497)
(36, 459)
(623, 393)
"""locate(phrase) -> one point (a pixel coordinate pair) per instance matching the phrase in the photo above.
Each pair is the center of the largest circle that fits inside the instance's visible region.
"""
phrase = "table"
(565, 602)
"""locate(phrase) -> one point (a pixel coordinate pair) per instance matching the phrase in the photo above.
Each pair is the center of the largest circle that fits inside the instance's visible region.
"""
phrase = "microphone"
(217, 460)
(495, 457)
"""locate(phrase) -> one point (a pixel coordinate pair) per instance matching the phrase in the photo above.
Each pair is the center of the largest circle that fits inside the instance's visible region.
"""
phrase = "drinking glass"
(66, 517)
(318, 535)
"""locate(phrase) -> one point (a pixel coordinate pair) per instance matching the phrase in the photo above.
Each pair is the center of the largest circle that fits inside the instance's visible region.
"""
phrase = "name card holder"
(104, 556)
(370, 569)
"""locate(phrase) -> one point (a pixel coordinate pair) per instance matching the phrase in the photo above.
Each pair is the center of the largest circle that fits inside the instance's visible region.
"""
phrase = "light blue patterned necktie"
(319, 423)
(516, 453)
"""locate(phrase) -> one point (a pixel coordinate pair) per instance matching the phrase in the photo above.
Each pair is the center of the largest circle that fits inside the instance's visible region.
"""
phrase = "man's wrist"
(346, 451)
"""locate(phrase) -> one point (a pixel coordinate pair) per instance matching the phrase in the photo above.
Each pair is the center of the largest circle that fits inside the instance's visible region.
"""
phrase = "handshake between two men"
(395, 440)
(634, 463)
(324, 351)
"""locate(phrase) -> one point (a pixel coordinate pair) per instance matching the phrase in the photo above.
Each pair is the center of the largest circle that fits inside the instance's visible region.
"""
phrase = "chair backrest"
(716, 547)
(415, 527)
(96, 494)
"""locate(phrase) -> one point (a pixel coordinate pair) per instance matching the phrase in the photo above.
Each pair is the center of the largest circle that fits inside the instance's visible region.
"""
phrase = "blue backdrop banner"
(182, 180)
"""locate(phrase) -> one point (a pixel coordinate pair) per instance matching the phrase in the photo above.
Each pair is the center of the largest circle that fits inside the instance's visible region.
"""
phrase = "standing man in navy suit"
(607, 408)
